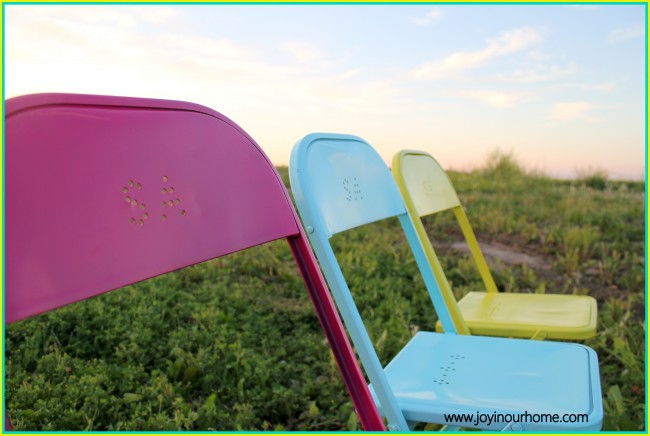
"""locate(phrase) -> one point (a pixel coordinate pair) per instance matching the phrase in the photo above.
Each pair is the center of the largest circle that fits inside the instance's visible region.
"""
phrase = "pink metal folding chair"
(102, 192)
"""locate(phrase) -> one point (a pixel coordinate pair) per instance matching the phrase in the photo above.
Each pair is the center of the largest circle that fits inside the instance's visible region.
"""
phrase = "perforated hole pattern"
(352, 189)
(448, 370)
(139, 214)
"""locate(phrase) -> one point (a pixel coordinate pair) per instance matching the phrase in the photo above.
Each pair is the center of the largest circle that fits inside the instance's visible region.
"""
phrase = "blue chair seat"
(437, 374)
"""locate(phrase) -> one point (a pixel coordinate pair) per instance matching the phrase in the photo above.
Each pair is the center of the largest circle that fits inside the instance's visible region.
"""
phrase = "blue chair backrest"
(348, 180)
(340, 182)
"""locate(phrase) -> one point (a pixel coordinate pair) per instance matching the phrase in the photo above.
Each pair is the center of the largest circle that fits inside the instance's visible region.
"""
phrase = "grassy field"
(234, 344)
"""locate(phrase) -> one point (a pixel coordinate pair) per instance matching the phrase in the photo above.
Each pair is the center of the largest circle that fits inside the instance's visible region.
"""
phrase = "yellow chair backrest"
(427, 189)
(428, 184)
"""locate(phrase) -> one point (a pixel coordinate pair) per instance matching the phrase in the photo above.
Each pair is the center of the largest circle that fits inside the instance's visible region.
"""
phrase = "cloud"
(455, 63)
(602, 86)
(433, 15)
(543, 73)
(569, 111)
(538, 56)
(626, 33)
(337, 95)
(302, 51)
(496, 99)
(100, 50)
(82, 47)
(117, 38)
(158, 14)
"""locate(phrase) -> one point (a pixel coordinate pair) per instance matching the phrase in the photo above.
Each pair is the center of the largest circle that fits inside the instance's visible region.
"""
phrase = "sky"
(560, 87)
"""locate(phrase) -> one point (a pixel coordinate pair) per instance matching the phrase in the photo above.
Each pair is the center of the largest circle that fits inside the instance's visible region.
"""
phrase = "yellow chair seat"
(518, 315)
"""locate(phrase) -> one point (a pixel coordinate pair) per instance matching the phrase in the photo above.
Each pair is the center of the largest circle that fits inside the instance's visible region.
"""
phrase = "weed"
(594, 178)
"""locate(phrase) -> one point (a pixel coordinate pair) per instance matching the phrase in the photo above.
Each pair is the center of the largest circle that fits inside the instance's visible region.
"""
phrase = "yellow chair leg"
(540, 335)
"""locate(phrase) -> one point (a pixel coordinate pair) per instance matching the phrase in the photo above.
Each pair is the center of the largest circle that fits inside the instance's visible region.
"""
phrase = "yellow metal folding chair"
(427, 190)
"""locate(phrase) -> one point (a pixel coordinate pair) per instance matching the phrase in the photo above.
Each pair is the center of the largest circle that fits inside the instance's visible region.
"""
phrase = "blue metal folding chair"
(339, 182)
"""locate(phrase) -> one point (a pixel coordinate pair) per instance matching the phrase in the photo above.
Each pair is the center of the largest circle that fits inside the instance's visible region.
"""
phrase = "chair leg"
(539, 335)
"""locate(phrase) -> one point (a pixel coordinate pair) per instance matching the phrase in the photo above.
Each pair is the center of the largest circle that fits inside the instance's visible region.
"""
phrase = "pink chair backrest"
(102, 192)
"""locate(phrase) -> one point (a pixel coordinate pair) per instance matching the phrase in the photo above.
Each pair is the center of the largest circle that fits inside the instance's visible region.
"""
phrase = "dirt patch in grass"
(499, 254)
(504, 253)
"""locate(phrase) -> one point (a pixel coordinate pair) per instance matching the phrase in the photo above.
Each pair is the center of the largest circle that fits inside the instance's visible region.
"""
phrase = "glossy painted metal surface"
(99, 197)
(102, 192)
(437, 374)
(430, 189)
(531, 373)
(342, 178)
(427, 190)
(529, 315)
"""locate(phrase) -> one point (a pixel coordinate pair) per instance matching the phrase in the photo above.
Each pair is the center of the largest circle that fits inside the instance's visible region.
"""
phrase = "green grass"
(234, 343)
